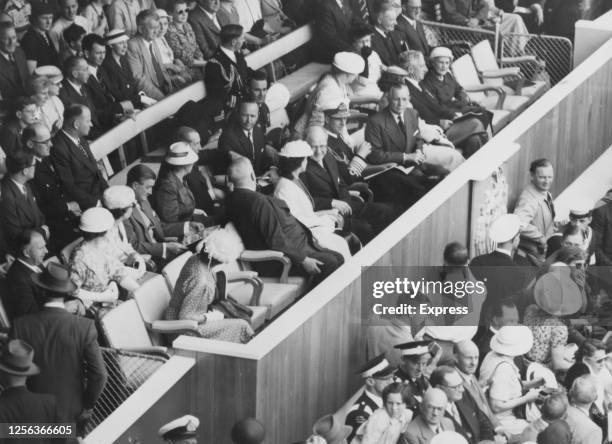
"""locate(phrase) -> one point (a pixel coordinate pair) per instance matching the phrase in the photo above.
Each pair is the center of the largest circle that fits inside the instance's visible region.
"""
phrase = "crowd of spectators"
(69, 72)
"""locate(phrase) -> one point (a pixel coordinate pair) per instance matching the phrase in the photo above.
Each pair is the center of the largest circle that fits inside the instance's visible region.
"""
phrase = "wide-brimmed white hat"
(349, 62)
(556, 293)
(96, 220)
(580, 208)
(448, 437)
(504, 228)
(441, 51)
(450, 333)
(180, 154)
(51, 72)
(512, 340)
(118, 197)
(116, 35)
(296, 148)
(277, 97)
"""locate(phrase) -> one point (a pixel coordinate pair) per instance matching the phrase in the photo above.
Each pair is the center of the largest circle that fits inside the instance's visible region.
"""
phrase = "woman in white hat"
(502, 377)
(450, 95)
(291, 189)
(331, 88)
(180, 74)
(94, 267)
(52, 110)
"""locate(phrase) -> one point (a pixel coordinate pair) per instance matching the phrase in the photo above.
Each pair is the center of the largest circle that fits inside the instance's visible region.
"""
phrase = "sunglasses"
(182, 11)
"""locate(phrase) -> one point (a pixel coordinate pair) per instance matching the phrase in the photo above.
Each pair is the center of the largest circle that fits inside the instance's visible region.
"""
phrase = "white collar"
(54, 304)
(374, 397)
(34, 268)
(381, 32)
(93, 70)
(75, 86)
(504, 251)
(75, 141)
(230, 54)
(21, 186)
(210, 15)
(415, 83)
(409, 20)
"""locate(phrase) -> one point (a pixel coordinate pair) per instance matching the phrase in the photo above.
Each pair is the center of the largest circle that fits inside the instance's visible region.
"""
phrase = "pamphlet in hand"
(468, 115)
(405, 170)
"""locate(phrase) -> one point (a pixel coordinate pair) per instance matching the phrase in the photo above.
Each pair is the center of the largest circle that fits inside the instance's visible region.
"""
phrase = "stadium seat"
(173, 268)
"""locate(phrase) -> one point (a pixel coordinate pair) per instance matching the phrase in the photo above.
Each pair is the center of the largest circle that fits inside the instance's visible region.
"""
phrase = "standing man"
(64, 345)
(386, 41)
(536, 210)
(409, 24)
(36, 42)
(377, 374)
(602, 234)
(332, 24)
(75, 91)
(206, 26)
(13, 69)
(73, 160)
(68, 16)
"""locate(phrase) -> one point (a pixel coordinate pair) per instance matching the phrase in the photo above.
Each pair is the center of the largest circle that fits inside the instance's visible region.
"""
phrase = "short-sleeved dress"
(548, 332)
(193, 293)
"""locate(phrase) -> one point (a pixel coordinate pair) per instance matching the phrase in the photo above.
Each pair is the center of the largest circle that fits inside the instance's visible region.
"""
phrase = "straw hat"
(118, 197)
(116, 35)
(512, 340)
(296, 148)
(349, 62)
(96, 220)
(181, 154)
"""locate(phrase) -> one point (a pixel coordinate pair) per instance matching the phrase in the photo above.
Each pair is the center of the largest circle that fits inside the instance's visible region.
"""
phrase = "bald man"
(466, 361)
(431, 421)
(265, 222)
(61, 213)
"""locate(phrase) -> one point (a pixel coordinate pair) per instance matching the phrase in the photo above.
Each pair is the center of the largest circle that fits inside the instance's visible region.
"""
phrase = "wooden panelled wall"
(302, 365)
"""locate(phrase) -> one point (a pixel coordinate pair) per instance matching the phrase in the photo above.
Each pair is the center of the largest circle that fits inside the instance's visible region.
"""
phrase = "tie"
(250, 137)
(83, 150)
(156, 66)
(46, 39)
(455, 413)
(400, 122)
(362, 10)
(550, 204)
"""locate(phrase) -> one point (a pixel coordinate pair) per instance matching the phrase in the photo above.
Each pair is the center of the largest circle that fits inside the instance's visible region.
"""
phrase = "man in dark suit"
(265, 222)
(61, 213)
(118, 77)
(144, 229)
(26, 113)
(602, 234)
(226, 73)
(17, 403)
(246, 139)
(13, 70)
(73, 160)
(467, 418)
(409, 24)
(322, 178)
(18, 207)
(23, 297)
(66, 349)
(36, 43)
(386, 41)
(206, 26)
(333, 21)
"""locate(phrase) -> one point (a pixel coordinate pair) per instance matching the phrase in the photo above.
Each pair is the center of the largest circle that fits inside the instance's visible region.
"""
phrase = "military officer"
(415, 359)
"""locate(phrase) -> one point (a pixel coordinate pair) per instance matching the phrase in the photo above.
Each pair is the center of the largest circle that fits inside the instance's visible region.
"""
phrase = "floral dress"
(182, 41)
(93, 267)
(548, 332)
(193, 293)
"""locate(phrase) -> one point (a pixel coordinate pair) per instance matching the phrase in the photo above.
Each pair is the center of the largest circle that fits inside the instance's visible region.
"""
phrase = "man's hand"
(445, 124)
(364, 149)
(74, 208)
(538, 13)
(344, 208)
(311, 265)
(175, 248)
(417, 157)
(75, 306)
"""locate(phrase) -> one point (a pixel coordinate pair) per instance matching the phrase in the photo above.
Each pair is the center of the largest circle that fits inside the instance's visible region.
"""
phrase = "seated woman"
(179, 74)
(196, 290)
(386, 424)
(182, 41)
(467, 134)
(120, 201)
(502, 377)
(94, 266)
(44, 89)
(172, 199)
(290, 188)
(451, 97)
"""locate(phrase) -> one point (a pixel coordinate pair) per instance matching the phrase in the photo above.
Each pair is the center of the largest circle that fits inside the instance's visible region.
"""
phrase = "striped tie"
(362, 10)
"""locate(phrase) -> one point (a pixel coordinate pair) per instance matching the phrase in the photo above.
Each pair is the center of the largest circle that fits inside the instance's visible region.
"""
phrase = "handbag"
(230, 307)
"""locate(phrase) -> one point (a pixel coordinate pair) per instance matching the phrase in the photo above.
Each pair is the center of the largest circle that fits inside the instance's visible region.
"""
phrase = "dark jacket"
(70, 96)
(66, 349)
(22, 296)
(106, 107)
(49, 192)
(13, 76)
(10, 136)
(475, 426)
(388, 141)
(143, 234)
(413, 35)
(234, 139)
(602, 234)
(324, 183)
(172, 199)
(38, 50)
(79, 174)
(207, 34)
(119, 80)
(427, 106)
(388, 48)
(332, 26)
(217, 75)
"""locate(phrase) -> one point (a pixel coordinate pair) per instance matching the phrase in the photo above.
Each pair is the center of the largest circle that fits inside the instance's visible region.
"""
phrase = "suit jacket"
(536, 217)
(419, 432)
(332, 26)
(427, 106)
(172, 200)
(10, 136)
(143, 235)
(49, 192)
(324, 183)
(22, 297)
(389, 48)
(265, 222)
(388, 141)
(583, 430)
(19, 212)
(162, 229)
(66, 349)
(234, 139)
(79, 174)
(141, 63)
(38, 50)
(105, 104)
(207, 34)
(414, 36)
(13, 77)
(19, 405)
(119, 80)
(217, 72)
(70, 96)
(458, 12)
(602, 234)
(475, 426)
(345, 158)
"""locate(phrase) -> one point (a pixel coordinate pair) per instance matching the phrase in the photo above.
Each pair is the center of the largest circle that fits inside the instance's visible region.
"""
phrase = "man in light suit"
(64, 346)
(409, 24)
(74, 161)
(582, 394)
(206, 26)
(144, 58)
(430, 422)
(13, 69)
(536, 210)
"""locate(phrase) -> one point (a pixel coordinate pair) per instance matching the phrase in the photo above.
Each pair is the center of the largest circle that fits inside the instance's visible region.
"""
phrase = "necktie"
(362, 10)
(156, 65)
(83, 150)
(400, 122)
(455, 413)
(550, 204)
(250, 137)
(46, 39)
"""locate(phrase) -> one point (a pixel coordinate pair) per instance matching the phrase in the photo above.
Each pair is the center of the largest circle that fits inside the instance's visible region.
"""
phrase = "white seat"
(152, 298)
(173, 268)
(124, 328)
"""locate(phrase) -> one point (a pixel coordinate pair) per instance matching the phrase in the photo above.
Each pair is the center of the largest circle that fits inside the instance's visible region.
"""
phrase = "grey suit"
(419, 432)
(388, 141)
(141, 63)
(207, 34)
(582, 429)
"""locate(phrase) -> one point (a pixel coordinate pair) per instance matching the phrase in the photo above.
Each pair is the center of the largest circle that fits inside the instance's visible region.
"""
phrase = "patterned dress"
(183, 43)
(548, 332)
(194, 291)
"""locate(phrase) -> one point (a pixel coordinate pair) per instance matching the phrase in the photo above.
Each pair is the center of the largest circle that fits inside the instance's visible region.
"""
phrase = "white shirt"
(504, 251)
(54, 304)
(380, 31)
(229, 53)
(415, 83)
(93, 70)
(75, 86)
(34, 268)
(72, 139)
(21, 187)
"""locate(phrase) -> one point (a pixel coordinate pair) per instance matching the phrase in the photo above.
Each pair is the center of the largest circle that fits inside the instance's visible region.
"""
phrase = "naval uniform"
(361, 411)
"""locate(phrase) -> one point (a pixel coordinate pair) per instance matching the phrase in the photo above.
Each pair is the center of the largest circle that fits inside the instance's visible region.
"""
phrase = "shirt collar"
(228, 53)
(75, 141)
(380, 31)
(543, 194)
(21, 186)
(374, 397)
(504, 251)
(210, 15)
(409, 20)
(54, 304)
(34, 268)
(415, 83)
(6, 55)
(93, 70)
(75, 86)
